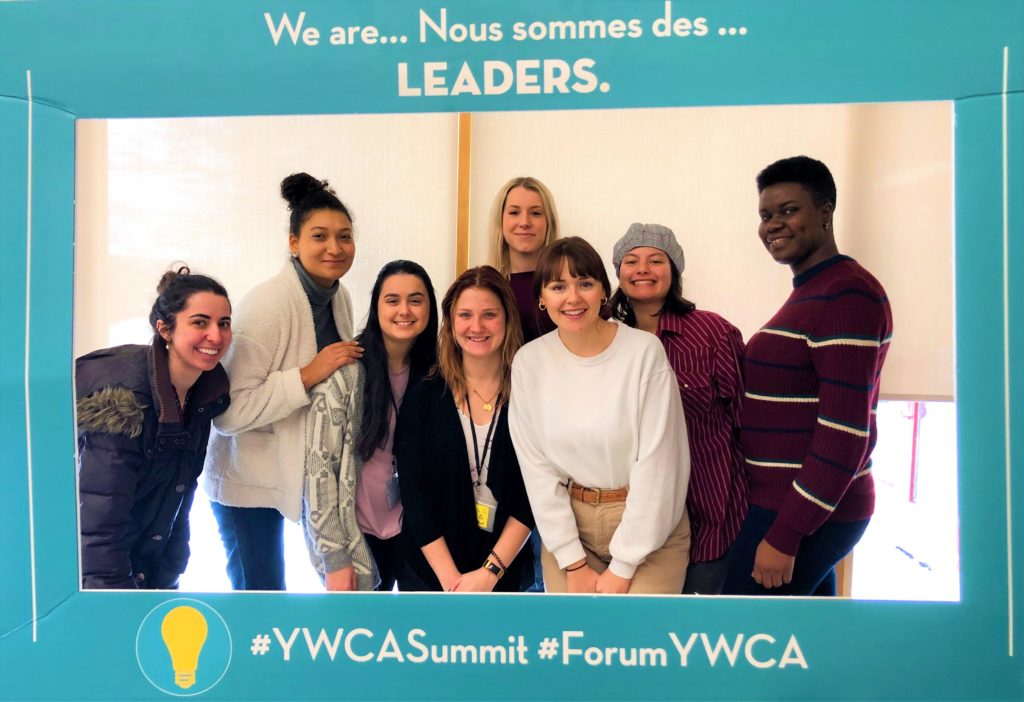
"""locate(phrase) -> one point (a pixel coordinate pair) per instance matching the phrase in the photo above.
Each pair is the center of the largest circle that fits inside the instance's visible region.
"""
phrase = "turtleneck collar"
(318, 296)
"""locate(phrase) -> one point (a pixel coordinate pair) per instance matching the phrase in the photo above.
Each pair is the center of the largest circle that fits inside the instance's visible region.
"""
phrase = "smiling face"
(201, 334)
(645, 275)
(524, 222)
(574, 304)
(403, 308)
(478, 322)
(325, 246)
(793, 229)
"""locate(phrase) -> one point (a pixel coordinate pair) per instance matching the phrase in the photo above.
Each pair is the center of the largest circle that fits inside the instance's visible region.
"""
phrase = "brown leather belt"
(596, 496)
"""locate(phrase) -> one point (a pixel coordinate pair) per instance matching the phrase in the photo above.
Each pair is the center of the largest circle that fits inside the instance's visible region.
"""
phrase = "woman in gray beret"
(705, 351)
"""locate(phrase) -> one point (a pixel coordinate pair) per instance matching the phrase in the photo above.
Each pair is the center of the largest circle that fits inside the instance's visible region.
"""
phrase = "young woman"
(143, 422)
(523, 221)
(705, 353)
(812, 382)
(352, 499)
(598, 427)
(294, 330)
(466, 511)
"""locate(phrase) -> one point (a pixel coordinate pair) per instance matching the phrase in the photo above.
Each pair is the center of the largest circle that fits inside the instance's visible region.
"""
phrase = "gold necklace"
(488, 406)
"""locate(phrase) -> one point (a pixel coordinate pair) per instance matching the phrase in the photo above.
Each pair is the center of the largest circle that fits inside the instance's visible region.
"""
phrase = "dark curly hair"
(176, 286)
(306, 194)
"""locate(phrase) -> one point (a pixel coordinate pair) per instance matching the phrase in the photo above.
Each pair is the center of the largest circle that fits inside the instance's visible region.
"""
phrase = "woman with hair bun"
(144, 417)
(294, 330)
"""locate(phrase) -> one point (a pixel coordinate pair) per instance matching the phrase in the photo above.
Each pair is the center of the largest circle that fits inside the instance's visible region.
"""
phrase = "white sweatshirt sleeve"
(659, 478)
(546, 485)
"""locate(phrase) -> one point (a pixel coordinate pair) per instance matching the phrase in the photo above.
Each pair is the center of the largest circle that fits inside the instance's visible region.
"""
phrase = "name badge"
(486, 507)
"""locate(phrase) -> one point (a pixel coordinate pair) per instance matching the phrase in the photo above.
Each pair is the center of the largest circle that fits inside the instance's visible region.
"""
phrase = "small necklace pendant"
(488, 407)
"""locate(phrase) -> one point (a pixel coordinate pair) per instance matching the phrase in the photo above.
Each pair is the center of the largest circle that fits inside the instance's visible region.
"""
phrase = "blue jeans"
(814, 569)
(254, 541)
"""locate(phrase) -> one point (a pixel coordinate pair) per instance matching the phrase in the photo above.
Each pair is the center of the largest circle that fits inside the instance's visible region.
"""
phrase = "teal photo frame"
(64, 60)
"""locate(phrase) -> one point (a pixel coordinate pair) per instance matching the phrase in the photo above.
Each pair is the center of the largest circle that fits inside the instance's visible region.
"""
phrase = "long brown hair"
(449, 353)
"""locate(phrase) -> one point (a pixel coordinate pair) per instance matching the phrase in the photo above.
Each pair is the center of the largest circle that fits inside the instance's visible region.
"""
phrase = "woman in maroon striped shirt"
(704, 350)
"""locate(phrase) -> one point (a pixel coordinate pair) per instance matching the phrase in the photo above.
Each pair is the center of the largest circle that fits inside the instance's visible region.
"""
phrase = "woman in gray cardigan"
(291, 332)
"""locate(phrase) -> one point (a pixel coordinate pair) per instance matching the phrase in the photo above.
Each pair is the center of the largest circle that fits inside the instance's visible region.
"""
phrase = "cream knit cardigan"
(257, 448)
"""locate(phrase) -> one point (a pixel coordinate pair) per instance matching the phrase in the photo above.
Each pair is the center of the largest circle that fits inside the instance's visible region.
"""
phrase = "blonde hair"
(449, 353)
(501, 257)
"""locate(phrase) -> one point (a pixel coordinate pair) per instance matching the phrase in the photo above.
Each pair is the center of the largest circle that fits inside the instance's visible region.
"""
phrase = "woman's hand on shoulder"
(582, 580)
(608, 583)
(479, 580)
(341, 580)
(328, 360)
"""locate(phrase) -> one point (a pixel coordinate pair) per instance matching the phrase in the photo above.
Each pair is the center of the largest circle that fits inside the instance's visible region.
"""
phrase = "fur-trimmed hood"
(114, 410)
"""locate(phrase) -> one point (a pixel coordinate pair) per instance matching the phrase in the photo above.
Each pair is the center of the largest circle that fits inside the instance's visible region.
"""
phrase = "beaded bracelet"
(498, 559)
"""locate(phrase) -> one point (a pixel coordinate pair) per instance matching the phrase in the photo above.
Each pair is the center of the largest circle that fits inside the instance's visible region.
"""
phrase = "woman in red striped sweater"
(704, 350)
(812, 372)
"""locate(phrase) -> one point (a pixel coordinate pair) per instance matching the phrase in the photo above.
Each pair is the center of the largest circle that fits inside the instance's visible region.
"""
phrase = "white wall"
(206, 191)
(693, 170)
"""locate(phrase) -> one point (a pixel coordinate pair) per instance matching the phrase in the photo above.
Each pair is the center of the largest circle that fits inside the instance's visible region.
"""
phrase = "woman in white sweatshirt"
(291, 332)
(597, 423)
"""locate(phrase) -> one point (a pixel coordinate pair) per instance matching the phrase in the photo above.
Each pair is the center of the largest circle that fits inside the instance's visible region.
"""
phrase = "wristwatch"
(493, 567)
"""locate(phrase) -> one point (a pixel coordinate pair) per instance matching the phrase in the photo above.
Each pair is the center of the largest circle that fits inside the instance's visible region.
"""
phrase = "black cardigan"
(437, 490)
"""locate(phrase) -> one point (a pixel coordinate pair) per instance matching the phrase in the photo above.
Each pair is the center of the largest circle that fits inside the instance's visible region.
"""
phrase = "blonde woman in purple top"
(523, 221)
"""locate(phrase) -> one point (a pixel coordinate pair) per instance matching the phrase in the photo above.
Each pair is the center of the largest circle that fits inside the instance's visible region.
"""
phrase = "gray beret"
(653, 235)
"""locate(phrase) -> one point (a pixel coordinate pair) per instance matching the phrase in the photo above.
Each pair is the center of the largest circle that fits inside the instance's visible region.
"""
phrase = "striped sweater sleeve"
(847, 344)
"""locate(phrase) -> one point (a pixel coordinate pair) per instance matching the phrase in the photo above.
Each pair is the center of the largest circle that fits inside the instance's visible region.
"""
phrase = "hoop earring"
(541, 305)
(604, 301)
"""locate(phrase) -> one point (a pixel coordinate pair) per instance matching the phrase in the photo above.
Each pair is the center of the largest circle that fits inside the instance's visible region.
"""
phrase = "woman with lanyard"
(466, 512)
(294, 330)
(352, 498)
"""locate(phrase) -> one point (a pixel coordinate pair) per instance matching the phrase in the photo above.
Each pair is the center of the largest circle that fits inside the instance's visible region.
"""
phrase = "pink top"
(372, 512)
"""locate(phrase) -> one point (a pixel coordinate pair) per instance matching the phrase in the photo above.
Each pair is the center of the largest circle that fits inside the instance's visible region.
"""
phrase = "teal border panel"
(111, 58)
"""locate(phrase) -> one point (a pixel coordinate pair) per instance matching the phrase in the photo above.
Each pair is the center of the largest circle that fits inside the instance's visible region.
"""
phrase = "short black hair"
(810, 173)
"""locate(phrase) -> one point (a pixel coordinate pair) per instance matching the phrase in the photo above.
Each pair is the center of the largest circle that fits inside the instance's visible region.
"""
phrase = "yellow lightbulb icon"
(184, 633)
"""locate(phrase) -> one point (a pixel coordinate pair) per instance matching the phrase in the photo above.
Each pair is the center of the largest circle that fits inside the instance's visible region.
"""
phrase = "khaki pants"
(661, 573)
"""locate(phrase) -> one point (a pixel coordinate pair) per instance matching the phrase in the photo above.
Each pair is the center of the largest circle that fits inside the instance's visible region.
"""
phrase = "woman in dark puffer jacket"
(144, 417)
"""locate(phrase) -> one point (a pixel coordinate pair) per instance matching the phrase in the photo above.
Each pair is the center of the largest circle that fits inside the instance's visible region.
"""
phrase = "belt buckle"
(597, 496)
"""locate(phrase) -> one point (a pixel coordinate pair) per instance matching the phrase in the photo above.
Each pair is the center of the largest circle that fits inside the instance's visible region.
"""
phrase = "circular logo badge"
(183, 647)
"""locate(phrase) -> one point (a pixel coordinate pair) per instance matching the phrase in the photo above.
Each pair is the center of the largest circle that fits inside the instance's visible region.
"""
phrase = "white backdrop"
(206, 191)
(693, 169)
